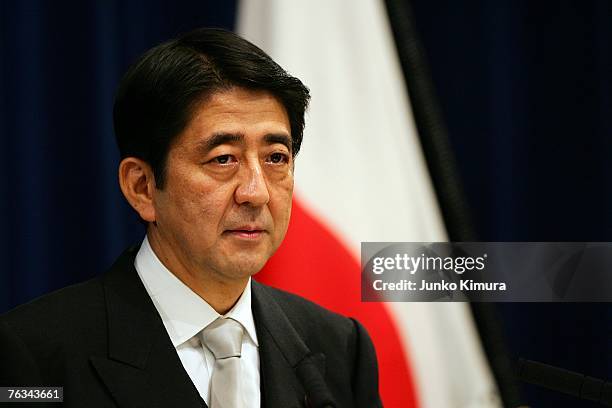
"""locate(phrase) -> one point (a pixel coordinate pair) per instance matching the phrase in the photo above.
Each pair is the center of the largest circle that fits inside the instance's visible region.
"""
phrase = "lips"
(246, 231)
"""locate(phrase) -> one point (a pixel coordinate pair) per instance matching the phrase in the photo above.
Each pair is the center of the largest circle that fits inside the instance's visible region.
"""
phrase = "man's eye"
(224, 159)
(278, 158)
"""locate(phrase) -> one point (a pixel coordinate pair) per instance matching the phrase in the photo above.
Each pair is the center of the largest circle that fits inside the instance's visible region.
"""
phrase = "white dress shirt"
(185, 315)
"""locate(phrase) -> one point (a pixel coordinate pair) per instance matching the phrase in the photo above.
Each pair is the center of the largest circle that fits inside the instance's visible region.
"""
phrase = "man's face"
(226, 202)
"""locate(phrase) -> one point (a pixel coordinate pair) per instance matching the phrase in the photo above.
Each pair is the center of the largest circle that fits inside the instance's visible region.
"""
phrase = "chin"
(246, 269)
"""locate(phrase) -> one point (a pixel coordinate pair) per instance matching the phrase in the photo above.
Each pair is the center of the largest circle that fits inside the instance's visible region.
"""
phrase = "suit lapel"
(281, 352)
(142, 368)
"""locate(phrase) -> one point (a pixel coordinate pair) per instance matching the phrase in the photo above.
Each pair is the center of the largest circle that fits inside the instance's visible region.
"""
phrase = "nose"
(252, 188)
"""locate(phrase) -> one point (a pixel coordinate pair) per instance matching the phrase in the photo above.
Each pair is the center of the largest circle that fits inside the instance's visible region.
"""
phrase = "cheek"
(280, 204)
(195, 203)
(214, 206)
(208, 205)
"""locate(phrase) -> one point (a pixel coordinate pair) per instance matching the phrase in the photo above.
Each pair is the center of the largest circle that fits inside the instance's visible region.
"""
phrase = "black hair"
(158, 94)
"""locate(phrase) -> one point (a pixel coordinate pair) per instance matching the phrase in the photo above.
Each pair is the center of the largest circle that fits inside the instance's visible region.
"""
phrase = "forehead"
(253, 114)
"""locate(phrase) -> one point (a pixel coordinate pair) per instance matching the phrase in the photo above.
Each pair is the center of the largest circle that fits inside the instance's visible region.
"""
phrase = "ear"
(138, 186)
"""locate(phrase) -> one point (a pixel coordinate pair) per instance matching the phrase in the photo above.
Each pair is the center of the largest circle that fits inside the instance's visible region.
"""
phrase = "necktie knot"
(223, 338)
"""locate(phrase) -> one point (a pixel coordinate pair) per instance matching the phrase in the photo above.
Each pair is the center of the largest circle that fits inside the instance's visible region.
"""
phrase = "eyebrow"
(279, 138)
(219, 139)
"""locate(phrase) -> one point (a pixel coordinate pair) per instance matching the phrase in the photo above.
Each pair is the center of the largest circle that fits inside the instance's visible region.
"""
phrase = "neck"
(219, 292)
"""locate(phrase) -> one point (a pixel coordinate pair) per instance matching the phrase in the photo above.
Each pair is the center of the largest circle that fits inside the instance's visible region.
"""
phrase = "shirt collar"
(183, 312)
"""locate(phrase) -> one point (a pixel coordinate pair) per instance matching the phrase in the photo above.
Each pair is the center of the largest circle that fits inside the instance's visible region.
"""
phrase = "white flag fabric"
(361, 176)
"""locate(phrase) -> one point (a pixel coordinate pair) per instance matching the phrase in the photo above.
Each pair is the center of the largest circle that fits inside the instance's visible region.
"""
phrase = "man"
(208, 127)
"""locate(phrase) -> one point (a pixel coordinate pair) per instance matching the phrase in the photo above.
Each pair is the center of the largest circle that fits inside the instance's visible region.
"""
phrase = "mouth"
(246, 232)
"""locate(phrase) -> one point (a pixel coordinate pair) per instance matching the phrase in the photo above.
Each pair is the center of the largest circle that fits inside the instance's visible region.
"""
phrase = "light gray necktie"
(223, 338)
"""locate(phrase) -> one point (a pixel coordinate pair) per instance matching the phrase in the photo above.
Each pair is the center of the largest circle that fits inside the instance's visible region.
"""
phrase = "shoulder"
(62, 302)
(319, 327)
(70, 311)
(306, 314)
(40, 339)
(349, 353)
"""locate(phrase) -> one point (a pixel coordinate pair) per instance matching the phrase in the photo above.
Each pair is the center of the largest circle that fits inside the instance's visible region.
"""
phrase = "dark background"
(525, 89)
(524, 86)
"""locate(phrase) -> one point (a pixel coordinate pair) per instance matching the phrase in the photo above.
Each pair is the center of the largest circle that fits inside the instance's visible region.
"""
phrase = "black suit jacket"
(105, 343)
